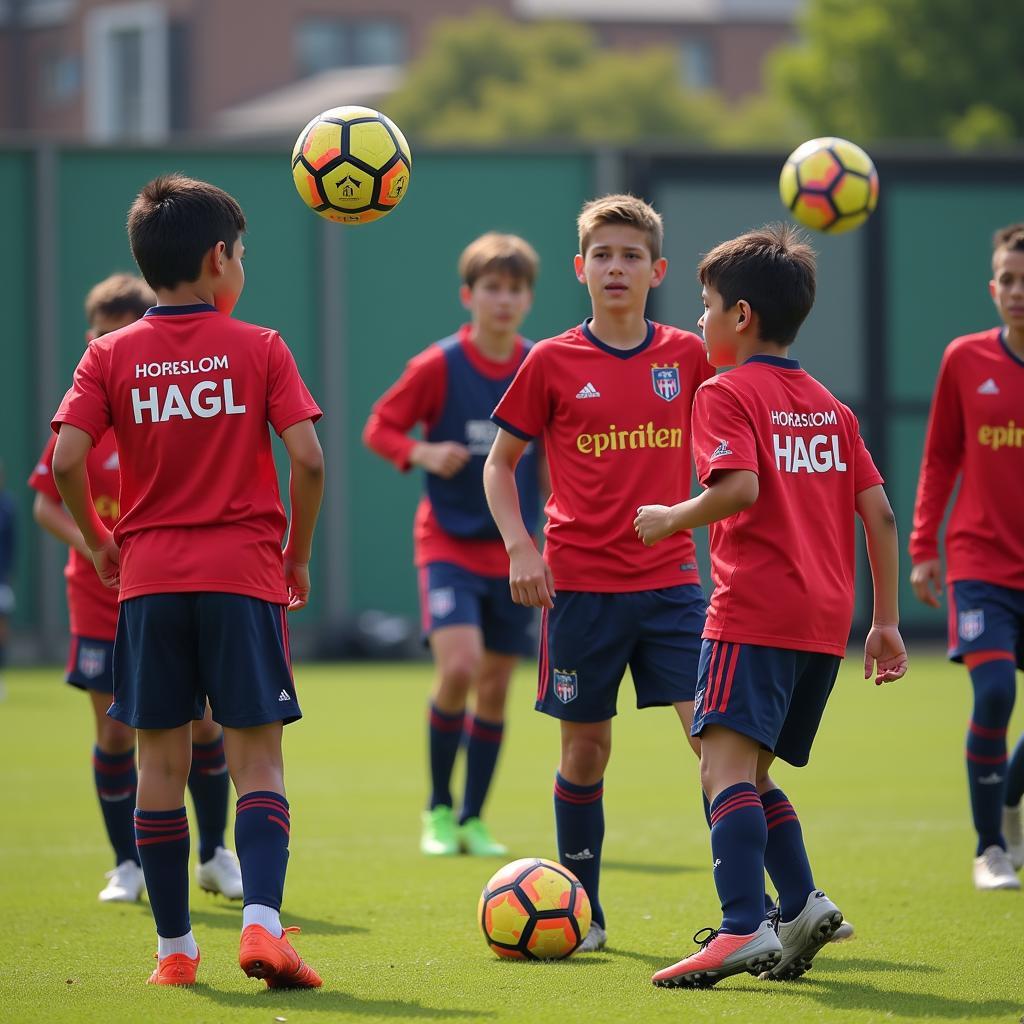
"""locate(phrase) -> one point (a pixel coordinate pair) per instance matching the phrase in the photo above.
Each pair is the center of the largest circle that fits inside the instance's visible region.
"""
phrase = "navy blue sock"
(208, 782)
(262, 827)
(994, 692)
(483, 744)
(162, 838)
(445, 737)
(738, 838)
(1015, 776)
(785, 856)
(116, 782)
(769, 903)
(579, 829)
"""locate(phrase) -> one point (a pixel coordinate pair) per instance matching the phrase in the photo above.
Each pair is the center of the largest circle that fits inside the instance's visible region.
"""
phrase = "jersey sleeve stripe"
(515, 431)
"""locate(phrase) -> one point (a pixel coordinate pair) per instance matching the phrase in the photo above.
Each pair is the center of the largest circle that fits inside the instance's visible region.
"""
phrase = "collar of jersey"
(1006, 348)
(780, 361)
(619, 353)
(196, 307)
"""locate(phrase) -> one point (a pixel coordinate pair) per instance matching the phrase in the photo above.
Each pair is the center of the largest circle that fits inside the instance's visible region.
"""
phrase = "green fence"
(355, 303)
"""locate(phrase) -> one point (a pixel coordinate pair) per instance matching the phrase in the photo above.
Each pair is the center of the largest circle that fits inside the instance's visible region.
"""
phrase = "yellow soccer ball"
(351, 165)
(829, 185)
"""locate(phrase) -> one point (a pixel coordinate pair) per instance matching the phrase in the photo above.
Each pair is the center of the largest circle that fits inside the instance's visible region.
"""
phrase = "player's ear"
(744, 315)
(577, 263)
(992, 290)
(658, 271)
(465, 296)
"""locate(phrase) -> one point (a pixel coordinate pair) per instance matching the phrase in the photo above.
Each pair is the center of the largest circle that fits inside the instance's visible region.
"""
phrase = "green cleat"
(475, 839)
(439, 837)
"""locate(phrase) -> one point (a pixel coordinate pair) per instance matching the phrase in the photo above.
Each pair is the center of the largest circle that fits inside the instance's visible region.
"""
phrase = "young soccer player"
(112, 304)
(204, 586)
(784, 469)
(611, 401)
(976, 434)
(476, 632)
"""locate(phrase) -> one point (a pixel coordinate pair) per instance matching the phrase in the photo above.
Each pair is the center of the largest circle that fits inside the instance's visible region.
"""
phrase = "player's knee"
(205, 731)
(584, 759)
(113, 737)
(457, 674)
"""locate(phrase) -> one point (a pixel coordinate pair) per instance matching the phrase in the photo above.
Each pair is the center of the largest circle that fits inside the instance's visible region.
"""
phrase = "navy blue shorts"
(453, 596)
(771, 694)
(589, 639)
(173, 651)
(90, 664)
(985, 617)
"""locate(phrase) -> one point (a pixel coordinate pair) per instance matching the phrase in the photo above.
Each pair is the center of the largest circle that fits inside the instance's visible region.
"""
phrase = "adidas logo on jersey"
(284, 696)
(721, 451)
(990, 387)
(588, 391)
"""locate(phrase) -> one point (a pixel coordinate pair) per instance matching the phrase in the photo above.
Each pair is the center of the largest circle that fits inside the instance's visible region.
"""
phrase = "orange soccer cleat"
(260, 955)
(722, 955)
(175, 969)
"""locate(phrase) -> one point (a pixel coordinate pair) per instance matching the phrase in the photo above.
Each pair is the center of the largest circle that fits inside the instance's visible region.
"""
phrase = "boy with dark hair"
(476, 632)
(784, 469)
(976, 434)
(611, 401)
(204, 585)
(113, 303)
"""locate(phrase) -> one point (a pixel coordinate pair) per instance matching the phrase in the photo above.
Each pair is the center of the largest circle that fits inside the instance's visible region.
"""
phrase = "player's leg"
(1013, 827)
(209, 784)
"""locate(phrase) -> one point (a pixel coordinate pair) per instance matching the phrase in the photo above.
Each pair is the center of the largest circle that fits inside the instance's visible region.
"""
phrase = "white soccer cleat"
(125, 885)
(804, 936)
(993, 870)
(843, 933)
(594, 940)
(1013, 833)
(221, 873)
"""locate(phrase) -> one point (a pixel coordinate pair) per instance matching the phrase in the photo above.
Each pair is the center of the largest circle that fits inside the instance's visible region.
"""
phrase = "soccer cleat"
(125, 885)
(722, 955)
(221, 873)
(802, 937)
(595, 939)
(1013, 833)
(475, 839)
(843, 933)
(175, 969)
(260, 955)
(440, 837)
(993, 870)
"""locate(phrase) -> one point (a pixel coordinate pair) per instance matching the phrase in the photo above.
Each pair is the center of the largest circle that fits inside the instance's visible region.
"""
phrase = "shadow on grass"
(657, 962)
(229, 916)
(642, 868)
(330, 1001)
(869, 965)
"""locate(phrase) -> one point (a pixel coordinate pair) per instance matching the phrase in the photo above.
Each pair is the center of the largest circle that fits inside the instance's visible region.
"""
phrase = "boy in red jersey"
(611, 400)
(204, 586)
(976, 433)
(476, 632)
(784, 469)
(114, 303)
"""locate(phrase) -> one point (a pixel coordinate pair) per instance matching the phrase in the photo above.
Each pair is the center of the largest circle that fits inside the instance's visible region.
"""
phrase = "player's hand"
(653, 523)
(926, 579)
(107, 561)
(443, 458)
(885, 656)
(296, 578)
(530, 579)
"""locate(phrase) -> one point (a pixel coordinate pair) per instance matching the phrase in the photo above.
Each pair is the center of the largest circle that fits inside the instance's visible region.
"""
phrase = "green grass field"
(883, 805)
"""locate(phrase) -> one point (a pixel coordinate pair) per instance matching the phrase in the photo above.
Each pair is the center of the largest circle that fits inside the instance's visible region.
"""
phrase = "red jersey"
(976, 429)
(92, 607)
(189, 392)
(418, 398)
(616, 430)
(784, 568)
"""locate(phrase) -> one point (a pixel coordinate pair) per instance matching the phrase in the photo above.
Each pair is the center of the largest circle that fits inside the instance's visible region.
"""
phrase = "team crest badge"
(971, 624)
(566, 685)
(666, 381)
(91, 661)
(442, 602)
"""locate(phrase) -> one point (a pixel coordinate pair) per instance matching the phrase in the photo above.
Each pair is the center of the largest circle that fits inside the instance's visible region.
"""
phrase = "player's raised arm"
(529, 577)
(307, 491)
(884, 651)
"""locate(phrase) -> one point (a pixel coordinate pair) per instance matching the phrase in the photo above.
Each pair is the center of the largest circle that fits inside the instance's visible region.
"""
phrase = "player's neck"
(1014, 340)
(624, 330)
(495, 345)
(191, 293)
(756, 347)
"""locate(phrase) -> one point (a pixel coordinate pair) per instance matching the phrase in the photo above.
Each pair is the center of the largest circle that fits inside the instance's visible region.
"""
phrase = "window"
(325, 43)
(697, 61)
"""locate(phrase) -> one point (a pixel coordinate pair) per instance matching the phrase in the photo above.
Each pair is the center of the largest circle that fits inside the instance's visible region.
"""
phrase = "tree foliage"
(908, 69)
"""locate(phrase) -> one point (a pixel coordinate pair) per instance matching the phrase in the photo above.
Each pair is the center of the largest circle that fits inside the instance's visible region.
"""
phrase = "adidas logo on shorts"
(284, 696)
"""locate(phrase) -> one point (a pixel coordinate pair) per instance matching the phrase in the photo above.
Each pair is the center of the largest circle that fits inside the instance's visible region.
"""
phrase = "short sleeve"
(41, 477)
(288, 399)
(525, 408)
(723, 436)
(86, 404)
(865, 473)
